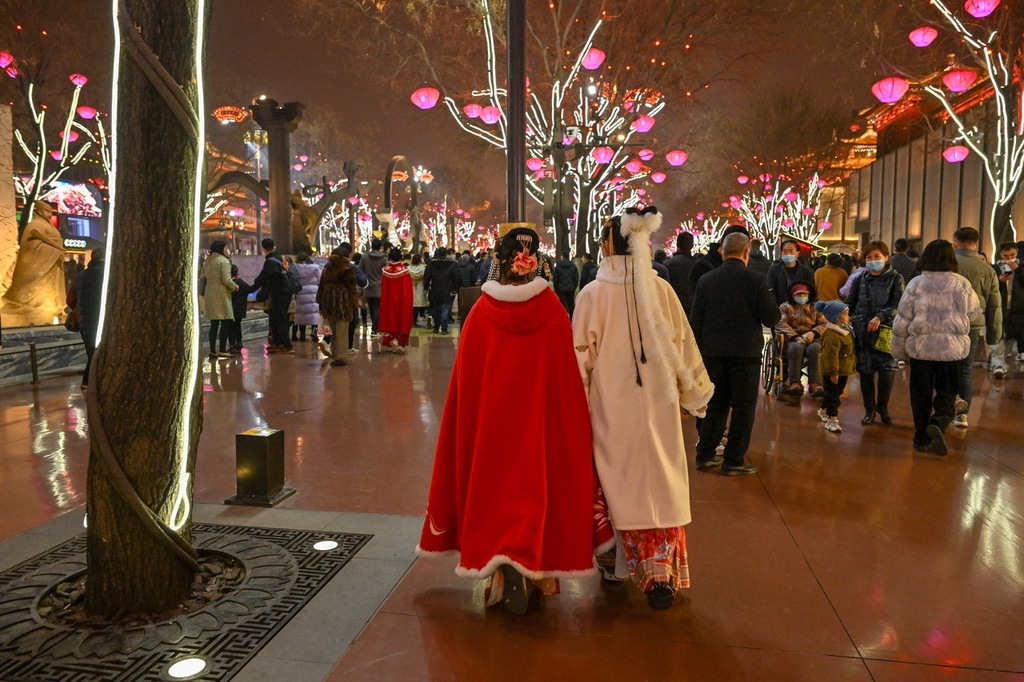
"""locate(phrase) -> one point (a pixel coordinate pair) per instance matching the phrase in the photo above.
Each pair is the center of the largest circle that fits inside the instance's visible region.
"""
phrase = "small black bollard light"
(259, 468)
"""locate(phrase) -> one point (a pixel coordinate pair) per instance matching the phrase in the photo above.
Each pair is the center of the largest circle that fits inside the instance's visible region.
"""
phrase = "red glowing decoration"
(86, 112)
(792, 196)
(12, 71)
(490, 115)
(425, 98)
(787, 223)
(603, 154)
(297, 166)
(959, 80)
(956, 153)
(743, 179)
(641, 191)
(643, 124)
(822, 183)
(72, 136)
(889, 90)
(353, 201)
(472, 110)
(657, 177)
(56, 155)
(634, 165)
(923, 37)
(825, 224)
(677, 157)
(303, 158)
(593, 59)
(808, 211)
(646, 154)
(700, 216)
(78, 79)
(534, 164)
(6, 59)
(979, 9)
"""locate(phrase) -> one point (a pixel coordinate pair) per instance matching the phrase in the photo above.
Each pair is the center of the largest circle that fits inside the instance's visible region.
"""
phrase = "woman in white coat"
(307, 312)
(643, 373)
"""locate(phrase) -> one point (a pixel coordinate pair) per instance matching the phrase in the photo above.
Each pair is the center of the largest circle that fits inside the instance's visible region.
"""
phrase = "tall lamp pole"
(516, 111)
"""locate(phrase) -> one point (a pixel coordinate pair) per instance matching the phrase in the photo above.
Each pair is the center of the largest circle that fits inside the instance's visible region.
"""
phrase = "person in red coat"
(513, 489)
(395, 320)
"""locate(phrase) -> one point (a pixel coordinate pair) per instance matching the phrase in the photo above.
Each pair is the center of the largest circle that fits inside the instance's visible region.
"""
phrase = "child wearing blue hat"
(836, 361)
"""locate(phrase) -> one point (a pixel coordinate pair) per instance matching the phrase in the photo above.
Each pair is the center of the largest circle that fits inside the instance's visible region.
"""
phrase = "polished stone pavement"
(847, 557)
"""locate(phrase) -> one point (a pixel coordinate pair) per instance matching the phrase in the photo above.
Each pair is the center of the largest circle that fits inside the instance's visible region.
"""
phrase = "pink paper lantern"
(425, 98)
(979, 9)
(6, 59)
(634, 166)
(808, 211)
(72, 136)
(677, 157)
(603, 154)
(297, 166)
(539, 175)
(657, 177)
(490, 115)
(472, 110)
(458, 211)
(593, 59)
(787, 222)
(353, 201)
(923, 37)
(822, 183)
(641, 191)
(646, 154)
(725, 204)
(956, 153)
(12, 71)
(303, 158)
(534, 164)
(643, 124)
(56, 155)
(743, 179)
(889, 90)
(86, 112)
(959, 80)
(825, 224)
(700, 216)
(792, 196)
(78, 79)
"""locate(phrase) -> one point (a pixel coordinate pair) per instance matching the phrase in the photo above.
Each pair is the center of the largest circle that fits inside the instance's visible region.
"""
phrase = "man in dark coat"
(1011, 293)
(271, 279)
(901, 262)
(87, 295)
(441, 280)
(730, 307)
(713, 259)
(759, 263)
(788, 271)
(589, 271)
(679, 266)
(566, 278)
(373, 266)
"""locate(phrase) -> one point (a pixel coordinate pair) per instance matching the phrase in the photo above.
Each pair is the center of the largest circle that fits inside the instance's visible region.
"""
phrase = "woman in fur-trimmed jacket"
(931, 332)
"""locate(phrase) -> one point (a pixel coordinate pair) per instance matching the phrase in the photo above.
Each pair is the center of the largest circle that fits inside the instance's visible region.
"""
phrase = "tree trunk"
(143, 395)
(1001, 227)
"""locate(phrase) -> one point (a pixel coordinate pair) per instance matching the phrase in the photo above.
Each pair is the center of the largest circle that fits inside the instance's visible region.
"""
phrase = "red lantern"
(646, 154)
(6, 59)
(56, 154)
(86, 112)
(472, 110)
(603, 154)
(12, 71)
(825, 224)
(980, 9)
(593, 59)
(490, 115)
(889, 90)
(657, 177)
(72, 136)
(808, 211)
(792, 196)
(743, 179)
(643, 123)
(634, 166)
(787, 223)
(425, 98)
(534, 164)
(956, 153)
(641, 192)
(700, 216)
(923, 37)
(78, 79)
(677, 157)
(959, 80)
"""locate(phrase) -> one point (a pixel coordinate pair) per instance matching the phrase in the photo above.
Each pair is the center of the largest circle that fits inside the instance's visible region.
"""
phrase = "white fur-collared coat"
(934, 318)
(638, 435)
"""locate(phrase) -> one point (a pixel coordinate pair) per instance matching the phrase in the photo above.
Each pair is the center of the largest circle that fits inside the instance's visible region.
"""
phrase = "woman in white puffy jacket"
(931, 332)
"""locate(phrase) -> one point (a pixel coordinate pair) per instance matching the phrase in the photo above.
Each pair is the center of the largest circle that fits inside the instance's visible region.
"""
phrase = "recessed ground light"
(187, 668)
(325, 545)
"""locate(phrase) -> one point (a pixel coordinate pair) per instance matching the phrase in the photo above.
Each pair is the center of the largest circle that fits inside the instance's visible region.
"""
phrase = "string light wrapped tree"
(769, 214)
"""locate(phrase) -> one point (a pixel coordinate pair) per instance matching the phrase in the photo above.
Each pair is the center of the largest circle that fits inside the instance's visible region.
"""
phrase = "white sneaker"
(960, 421)
(1020, 357)
(832, 425)
(822, 414)
(353, 351)
(999, 372)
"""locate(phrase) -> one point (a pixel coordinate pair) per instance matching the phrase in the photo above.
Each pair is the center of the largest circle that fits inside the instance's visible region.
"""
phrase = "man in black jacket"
(713, 259)
(441, 280)
(271, 280)
(566, 278)
(730, 308)
(589, 271)
(88, 295)
(679, 266)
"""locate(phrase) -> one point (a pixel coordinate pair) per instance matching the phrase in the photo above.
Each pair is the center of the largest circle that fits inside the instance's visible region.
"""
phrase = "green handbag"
(883, 342)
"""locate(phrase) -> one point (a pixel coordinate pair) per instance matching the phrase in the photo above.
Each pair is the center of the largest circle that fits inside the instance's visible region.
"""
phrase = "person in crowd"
(730, 307)
(345, 249)
(660, 256)
(484, 271)
(271, 282)
(419, 294)
(306, 311)
(239, 306)
(467, 270)
(837, 360)
(396, 303)
(216, 284)
(336, 300)
(372, 265)
(525, 517)
(782, 274)
(679, 266)
(660, 269)
(442, 282)
(932, 333)
(989, 321)
(901, 262)
(1011, 294)
(713, 258)
(802, 326)
(565, 279)
(642, 370)
(588, 273)
(363, 316)
(85, 298)
(844, 290)
(758, 263)
(830, 278)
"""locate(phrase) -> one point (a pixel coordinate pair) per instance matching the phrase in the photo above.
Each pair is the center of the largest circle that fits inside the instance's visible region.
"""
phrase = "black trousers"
(568, 300)
(833, 394)
(234, 332)
(886, 379)
(221, 329)
(278, 318)
(933, 389)
(736, 383)
(374, 305)
(89, 341)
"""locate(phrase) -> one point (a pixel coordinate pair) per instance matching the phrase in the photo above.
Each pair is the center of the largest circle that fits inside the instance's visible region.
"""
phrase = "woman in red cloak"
(513, 489)
(395, 304)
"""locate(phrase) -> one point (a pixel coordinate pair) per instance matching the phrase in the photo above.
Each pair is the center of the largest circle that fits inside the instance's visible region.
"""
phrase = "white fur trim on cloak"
(499, 560)
(512, 293)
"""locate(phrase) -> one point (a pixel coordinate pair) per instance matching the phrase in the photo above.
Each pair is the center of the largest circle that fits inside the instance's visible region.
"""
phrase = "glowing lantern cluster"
(472, 110)
(603, 154)
(78, 79)
(677, 157)
(889, 90)
(923, 37)
(979, 9)
(643, 123)
(593, 59)
(959, 80)
(658, 177)
(425, 98)
(956, 153)
(490, 115)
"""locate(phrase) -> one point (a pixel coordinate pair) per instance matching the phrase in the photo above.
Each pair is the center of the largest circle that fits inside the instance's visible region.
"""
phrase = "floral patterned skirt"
(657, 555)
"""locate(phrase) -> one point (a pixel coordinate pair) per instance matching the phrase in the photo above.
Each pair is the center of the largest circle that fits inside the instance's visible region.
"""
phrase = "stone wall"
(8, 221)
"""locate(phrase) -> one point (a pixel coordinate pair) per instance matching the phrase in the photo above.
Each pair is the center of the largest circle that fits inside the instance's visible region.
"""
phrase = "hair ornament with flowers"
(524, 263)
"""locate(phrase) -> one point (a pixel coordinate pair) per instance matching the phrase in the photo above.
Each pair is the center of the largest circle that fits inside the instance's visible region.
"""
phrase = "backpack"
(291, 283)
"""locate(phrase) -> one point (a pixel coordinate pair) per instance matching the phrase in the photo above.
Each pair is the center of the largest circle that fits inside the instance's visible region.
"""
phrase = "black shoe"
(715, 461)
(660, 597)
(515, 596)
(869, 418)
(742, 470)
(920, 447)
(938, 443)
(883, 412)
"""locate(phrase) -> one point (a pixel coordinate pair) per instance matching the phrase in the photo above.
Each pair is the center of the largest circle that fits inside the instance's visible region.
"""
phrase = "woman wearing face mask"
(802, 326)
(786, 272)
(873, 300)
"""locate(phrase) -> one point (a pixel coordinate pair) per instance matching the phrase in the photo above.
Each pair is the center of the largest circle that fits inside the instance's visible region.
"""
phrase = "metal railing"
(33, 352)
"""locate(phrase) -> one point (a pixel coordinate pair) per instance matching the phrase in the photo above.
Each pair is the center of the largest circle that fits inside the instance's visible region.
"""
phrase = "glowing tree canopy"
(769, 215)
